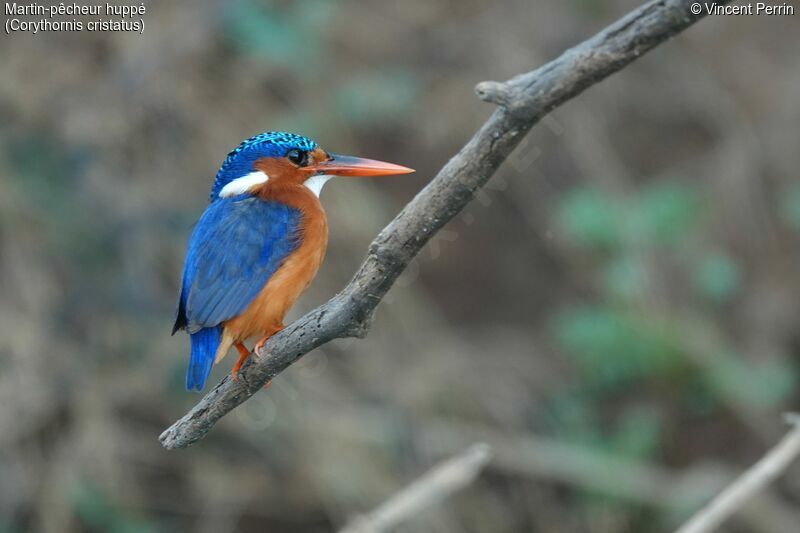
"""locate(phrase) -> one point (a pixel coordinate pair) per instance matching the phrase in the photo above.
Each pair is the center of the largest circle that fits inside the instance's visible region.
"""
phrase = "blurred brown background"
(617, 314)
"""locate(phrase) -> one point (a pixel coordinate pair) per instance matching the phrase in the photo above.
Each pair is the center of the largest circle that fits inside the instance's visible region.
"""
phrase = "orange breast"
(266, 312)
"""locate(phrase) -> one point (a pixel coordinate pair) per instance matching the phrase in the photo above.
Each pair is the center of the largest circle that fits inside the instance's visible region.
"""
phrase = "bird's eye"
(298, 157)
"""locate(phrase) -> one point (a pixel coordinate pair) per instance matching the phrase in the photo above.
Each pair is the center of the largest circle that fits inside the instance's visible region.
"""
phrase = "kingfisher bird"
(258, 244)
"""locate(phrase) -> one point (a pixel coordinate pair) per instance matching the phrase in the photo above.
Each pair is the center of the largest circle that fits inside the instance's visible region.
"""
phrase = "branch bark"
(522, 101)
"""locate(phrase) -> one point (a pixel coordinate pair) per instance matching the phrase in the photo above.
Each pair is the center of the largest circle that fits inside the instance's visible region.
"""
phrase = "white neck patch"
(315, 183)
(243, 184)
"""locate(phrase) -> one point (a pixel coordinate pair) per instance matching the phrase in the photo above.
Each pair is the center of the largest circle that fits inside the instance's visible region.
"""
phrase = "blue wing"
(236, 246)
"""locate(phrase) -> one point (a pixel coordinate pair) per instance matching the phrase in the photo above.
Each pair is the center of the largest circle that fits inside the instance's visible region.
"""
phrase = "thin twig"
(668, 491)
(523, 100)
(433, 487)
(753, 481)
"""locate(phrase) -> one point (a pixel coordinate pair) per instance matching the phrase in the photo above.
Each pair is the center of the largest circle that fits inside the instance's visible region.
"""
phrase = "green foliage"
(614, 347)
(717, 277)
(763, 385)
(99, 513)
(7, 527)
(665, 212)
(46, 177)
(287, 35)
(790, 208)
(625, 277)
(44, 172)
(637, 434)
(696, 396)
(378, 95)
(291, 34)
(572, 416)
(617, 347)
(591, 219)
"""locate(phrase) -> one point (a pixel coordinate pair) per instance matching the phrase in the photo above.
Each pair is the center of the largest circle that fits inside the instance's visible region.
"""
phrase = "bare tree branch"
(667, 490)
(523, 101)
(434, 486)
(749, 484)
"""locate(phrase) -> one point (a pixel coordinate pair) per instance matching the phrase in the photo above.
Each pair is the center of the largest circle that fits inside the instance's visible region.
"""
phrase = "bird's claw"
(258, 347)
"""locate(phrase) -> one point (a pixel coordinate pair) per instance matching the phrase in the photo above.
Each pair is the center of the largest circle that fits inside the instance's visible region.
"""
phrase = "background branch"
(749, 484)
(523, 101)
(435, 485)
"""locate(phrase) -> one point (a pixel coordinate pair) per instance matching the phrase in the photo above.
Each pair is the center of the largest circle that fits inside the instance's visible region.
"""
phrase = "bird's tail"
(204, 347)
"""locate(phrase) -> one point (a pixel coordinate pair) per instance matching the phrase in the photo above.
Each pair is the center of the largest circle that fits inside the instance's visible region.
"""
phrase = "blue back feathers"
(235, 248)
(268, 144)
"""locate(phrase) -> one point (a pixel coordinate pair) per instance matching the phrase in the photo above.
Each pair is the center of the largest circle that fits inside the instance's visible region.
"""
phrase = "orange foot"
(243, 353)
(260, 345)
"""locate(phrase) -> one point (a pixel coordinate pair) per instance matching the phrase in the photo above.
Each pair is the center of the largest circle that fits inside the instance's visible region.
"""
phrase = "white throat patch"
(315, 183)
(243, 184)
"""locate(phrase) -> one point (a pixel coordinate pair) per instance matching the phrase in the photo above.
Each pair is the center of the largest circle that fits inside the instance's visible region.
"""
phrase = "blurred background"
(617, 314)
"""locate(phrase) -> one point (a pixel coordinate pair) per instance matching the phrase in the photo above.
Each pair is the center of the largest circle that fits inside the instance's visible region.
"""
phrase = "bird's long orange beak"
(346, 165)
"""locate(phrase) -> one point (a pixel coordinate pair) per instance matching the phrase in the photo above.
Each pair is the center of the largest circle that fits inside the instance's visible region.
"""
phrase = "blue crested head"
(268, 144)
